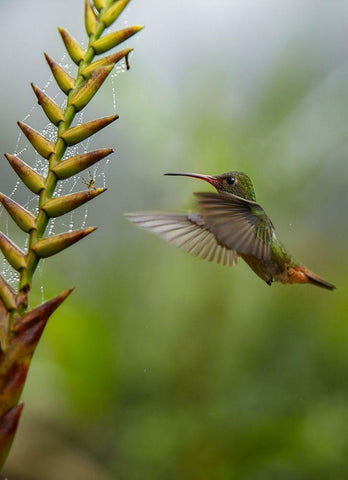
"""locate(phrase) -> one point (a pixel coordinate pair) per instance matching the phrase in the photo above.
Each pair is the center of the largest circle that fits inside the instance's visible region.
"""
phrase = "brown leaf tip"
(40, 314)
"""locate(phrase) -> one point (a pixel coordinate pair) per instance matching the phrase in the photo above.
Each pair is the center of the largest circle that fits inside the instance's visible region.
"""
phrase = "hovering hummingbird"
(229, 225)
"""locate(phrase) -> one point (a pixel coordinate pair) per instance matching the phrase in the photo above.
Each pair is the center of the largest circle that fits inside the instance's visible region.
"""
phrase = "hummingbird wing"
(237, 223)
(187, 231)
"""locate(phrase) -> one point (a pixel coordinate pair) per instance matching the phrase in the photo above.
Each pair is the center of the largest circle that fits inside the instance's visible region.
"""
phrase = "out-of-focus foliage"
(174, 367)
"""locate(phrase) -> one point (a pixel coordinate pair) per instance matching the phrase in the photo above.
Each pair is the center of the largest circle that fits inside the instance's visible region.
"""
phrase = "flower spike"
(20, 330)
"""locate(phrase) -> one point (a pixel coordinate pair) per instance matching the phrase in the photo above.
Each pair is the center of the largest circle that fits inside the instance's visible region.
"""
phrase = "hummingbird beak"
(208, 178)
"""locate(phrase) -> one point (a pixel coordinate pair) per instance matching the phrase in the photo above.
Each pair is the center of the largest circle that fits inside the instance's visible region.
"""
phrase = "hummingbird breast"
(269, 270)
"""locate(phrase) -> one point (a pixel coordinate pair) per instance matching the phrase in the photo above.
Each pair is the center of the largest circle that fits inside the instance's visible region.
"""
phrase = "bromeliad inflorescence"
(20, 331)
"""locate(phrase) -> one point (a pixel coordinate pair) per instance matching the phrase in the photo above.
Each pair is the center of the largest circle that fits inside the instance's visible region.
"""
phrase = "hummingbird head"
(237, 183)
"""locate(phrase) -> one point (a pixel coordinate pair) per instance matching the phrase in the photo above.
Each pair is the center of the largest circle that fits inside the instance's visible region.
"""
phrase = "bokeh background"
(160, 365)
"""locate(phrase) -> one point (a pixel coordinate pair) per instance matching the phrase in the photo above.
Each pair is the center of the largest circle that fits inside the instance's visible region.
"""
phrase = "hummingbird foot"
(269, 282)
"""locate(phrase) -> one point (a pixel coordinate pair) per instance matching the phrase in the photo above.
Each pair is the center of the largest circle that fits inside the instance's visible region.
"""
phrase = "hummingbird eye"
(230, 180)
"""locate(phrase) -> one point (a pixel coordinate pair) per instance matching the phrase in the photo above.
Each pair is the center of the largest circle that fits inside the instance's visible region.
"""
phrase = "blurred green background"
(160, 365)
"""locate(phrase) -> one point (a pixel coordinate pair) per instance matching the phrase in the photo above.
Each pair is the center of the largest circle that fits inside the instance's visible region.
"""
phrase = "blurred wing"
(188, 232)
(237, 223)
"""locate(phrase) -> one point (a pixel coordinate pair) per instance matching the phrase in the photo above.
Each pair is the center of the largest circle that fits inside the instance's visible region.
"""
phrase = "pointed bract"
(12, 253)
(87, 91)
(23, 218)
(73, 165)
(64, 80)
(108, 60)
(99, 4)
(29, 327)
(113, 12)
(7, 295)
(54, 113)
(115, 38)
(91, 21)
(29, 177)
(43, 146)
(12, 378)
(49, 246)
(74, 49)
(55, 207)
(81, 132)
(8, 426)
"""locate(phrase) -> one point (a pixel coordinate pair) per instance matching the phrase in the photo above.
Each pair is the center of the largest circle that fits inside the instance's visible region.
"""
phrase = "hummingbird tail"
(319, 282)
(303, 275)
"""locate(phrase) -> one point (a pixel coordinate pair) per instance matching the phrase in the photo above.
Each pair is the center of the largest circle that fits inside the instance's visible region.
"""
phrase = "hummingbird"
(230, 224)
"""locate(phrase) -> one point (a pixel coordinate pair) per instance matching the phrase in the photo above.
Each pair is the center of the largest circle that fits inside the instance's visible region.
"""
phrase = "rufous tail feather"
(303, 275)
